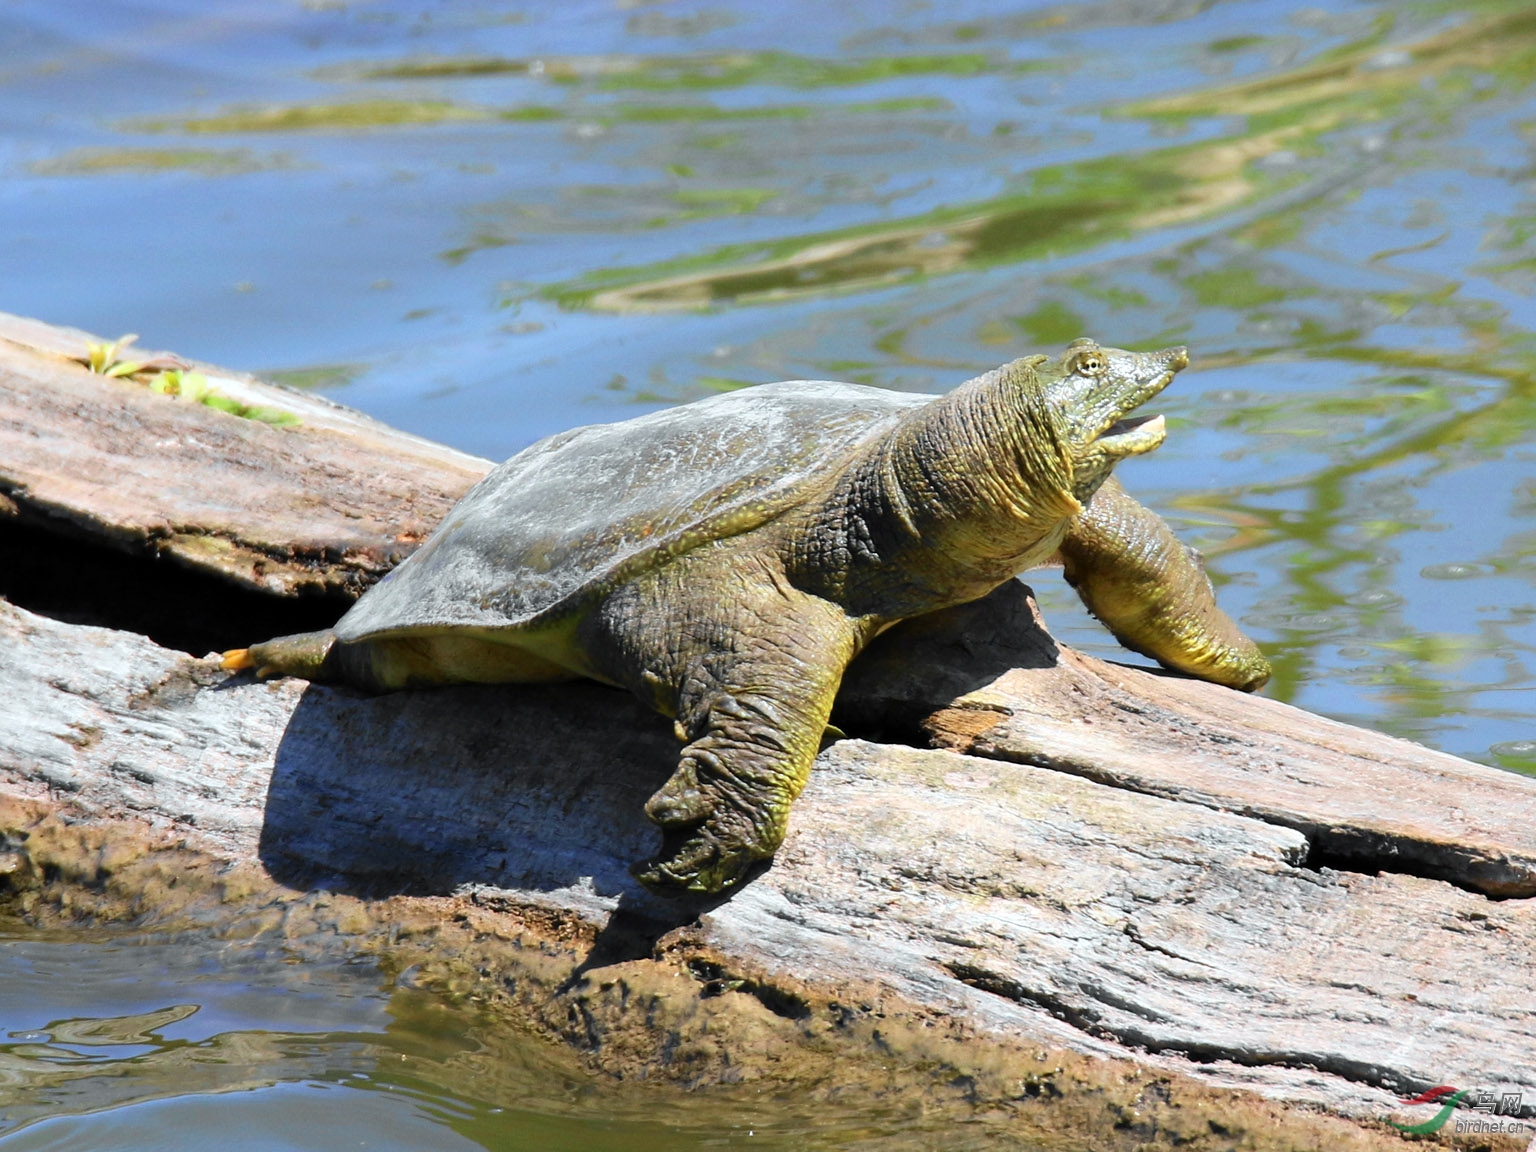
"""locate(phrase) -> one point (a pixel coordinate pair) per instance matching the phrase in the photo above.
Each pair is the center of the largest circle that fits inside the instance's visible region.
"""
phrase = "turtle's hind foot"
(299, 655)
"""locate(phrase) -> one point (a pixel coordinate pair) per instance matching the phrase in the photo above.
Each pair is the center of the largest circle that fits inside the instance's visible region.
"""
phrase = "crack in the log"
(1087, 1021)
(1342, 848)
(61, 575)
(962, 727)
(1135, 937)
(1325, 854)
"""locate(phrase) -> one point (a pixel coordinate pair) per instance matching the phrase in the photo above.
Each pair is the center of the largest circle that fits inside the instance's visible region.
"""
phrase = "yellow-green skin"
(743, 636)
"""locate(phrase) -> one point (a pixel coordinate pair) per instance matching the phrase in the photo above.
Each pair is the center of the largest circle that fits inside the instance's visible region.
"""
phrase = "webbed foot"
(1152, 592)
(714, 829)
(697, 863)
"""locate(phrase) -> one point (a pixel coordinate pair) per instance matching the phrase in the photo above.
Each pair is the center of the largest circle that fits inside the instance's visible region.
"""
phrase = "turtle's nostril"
(1178, 358)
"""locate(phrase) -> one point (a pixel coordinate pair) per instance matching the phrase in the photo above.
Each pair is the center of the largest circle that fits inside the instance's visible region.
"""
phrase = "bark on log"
(1091, 858)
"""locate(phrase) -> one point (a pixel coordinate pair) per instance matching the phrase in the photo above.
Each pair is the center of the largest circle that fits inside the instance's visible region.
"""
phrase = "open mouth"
(1134, 435)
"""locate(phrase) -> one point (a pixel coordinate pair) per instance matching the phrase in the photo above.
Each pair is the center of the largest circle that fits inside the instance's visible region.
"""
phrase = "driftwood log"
(1089, 896)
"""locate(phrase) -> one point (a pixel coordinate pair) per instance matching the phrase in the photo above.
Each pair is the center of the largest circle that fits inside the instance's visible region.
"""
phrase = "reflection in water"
(148, 1020)
(264, 1053)
(1066, 208)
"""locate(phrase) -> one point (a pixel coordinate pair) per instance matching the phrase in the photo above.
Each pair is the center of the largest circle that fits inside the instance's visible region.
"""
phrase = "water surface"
(169, 1041)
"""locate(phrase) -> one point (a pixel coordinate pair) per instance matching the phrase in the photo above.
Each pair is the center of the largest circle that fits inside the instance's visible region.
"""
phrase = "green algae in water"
(202, 161)
(681, 73)
(347, 117)
(319, 377)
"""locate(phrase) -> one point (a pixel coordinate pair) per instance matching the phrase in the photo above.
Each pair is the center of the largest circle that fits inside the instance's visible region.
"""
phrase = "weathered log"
(992, 682)
(326, 506)
(1095, 860)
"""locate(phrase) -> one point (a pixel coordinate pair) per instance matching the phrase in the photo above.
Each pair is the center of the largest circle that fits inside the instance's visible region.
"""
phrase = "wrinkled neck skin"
(965, 493)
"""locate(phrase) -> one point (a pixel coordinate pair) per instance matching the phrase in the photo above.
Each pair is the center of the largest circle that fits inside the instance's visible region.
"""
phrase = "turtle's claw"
(700, 859)
(680, 803)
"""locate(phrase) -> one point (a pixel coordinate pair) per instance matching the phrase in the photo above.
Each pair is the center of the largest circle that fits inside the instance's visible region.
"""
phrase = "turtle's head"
(1091, 392)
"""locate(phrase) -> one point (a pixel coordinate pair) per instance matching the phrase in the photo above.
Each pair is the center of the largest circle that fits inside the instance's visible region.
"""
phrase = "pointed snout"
(1145, 374)
(1160, 367)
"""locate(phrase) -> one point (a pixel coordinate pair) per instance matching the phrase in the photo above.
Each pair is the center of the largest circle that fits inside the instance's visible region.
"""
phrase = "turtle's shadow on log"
(540, 791)
(922, 664)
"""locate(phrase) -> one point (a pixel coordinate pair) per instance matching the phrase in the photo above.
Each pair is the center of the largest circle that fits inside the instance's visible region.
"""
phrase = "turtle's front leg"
(751, 679)
(751, 739)
(1152, 592)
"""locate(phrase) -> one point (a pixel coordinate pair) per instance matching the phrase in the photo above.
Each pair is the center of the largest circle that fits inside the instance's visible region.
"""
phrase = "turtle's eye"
(1088, 363)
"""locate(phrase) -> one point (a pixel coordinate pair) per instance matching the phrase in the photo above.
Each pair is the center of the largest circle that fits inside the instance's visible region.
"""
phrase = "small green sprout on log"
(103, 358)
(194, 386)
(170, 377)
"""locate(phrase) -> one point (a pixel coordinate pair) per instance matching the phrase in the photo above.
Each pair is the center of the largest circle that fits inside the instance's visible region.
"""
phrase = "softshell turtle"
(726, 559)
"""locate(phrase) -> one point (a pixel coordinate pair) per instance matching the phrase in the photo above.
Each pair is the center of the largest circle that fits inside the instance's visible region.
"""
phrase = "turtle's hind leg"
(303, 654)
